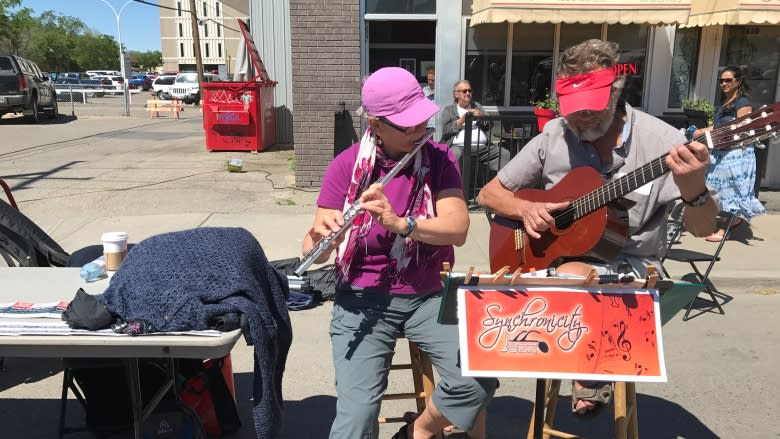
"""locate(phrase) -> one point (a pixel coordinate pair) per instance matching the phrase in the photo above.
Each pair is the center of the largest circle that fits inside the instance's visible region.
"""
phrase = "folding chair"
(675, 228)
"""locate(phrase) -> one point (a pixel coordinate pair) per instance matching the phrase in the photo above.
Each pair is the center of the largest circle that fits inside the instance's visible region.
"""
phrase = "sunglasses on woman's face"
(726, 80)
(400, 129)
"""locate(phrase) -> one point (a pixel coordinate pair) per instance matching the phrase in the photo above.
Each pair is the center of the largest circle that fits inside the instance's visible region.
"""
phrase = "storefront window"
(572, 34)
(401, 7)
(632, 41)
(486, 62)
(754, 49)
(532, 61)
(684, 60)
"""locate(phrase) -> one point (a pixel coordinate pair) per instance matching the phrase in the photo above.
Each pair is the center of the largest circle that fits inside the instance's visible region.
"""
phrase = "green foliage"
(548, 103)
(60, 43)
(700, 105)
(146, 60)
(291, 164)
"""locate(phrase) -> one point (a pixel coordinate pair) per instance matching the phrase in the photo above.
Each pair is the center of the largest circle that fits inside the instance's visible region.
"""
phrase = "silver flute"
(353, 210)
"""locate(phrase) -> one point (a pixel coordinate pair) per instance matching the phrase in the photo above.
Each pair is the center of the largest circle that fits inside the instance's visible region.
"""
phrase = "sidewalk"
(99, 172)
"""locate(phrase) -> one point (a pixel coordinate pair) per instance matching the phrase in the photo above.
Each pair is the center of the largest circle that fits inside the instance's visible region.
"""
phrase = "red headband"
(587, 91)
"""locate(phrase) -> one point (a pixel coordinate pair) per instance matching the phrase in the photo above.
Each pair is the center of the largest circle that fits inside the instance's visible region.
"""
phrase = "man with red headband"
(600, 130)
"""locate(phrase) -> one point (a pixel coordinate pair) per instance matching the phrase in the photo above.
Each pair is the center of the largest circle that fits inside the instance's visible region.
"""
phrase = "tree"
(14, 28)
(146, 60)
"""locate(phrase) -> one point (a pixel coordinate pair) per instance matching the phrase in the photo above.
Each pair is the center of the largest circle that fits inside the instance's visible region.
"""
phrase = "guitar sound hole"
(563, 222)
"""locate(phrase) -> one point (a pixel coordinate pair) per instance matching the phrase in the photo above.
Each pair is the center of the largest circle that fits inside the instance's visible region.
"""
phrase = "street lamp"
(121, 54)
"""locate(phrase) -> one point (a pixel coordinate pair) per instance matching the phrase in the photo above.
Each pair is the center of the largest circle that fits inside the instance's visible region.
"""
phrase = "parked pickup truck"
(187, 88)
(25, 89)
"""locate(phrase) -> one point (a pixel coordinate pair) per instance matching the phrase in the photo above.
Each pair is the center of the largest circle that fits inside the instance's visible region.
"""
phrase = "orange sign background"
(548, 332)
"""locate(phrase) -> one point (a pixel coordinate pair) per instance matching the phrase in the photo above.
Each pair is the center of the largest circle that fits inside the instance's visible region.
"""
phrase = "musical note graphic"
(623, 343)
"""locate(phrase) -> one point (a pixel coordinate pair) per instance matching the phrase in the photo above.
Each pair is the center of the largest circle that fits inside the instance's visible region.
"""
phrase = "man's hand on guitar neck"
(689, 165)
(536, 216)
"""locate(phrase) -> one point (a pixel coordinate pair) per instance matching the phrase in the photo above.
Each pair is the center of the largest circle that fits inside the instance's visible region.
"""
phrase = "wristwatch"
(700, 200)
(411, 224)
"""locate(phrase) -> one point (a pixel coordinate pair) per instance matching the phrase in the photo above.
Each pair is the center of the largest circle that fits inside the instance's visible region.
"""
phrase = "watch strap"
(700, 200)
(411, 224)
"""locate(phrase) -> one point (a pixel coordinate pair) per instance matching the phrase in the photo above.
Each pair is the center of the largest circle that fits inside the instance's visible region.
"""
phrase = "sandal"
(402, 433)
(597, 392)
(715, 237)
(453, 432)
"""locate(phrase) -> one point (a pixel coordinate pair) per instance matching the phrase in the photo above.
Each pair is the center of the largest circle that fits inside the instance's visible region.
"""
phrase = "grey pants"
(363, 333)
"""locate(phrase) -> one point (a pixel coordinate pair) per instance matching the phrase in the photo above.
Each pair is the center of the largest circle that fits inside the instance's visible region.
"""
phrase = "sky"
(140, 23)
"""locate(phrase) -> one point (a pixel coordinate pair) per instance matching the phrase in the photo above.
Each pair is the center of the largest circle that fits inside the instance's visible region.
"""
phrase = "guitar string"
(599, 197)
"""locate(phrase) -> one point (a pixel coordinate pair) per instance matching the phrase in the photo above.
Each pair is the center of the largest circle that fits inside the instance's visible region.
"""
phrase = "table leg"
(134, 382)
(539, 407)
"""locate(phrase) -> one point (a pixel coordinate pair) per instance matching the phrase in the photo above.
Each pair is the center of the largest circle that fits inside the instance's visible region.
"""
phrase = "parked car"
(187, 88)
(140, 81)
(161, 86)
(117, 83)
(25, 89)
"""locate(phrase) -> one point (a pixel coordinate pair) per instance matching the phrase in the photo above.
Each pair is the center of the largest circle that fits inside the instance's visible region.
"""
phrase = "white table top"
(41, 285)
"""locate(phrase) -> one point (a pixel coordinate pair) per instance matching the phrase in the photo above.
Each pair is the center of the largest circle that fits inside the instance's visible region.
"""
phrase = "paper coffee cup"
(114, 249)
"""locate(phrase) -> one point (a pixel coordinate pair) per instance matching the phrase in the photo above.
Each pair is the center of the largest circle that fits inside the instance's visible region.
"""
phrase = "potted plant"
(545, 110)
(699, 112)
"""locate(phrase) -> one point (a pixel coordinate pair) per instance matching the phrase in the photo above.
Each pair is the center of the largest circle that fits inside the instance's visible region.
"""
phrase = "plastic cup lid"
(114, 236)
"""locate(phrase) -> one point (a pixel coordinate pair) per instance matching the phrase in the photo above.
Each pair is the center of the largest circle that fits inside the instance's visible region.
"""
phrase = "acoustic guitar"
(589, 227)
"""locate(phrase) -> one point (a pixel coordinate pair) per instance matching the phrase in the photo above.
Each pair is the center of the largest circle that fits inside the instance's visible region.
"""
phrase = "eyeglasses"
(726, 80)
(400, 129)
(464, 91)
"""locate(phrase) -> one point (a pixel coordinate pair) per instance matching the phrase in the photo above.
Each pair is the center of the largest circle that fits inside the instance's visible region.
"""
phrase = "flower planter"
(544, 115)
(696, 117)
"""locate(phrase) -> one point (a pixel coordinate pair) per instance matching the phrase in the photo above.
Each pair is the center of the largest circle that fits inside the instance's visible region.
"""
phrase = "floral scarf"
(419, 205)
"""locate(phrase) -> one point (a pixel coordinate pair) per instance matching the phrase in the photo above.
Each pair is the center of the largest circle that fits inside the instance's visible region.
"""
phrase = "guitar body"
(600, 234)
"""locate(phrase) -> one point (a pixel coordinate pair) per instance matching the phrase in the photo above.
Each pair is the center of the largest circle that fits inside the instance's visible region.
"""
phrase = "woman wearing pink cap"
(601, 131)
(388, 263)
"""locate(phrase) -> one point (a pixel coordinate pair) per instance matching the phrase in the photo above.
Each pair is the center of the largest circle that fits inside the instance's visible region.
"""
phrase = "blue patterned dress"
(733, 172)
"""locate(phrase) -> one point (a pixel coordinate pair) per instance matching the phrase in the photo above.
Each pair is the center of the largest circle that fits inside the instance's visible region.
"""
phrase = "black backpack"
(24, 244)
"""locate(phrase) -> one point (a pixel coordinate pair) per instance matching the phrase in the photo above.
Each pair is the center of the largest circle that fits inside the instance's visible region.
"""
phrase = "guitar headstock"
(761, 124)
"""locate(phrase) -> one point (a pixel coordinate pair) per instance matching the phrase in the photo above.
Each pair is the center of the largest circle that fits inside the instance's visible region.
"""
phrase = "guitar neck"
(619, 187)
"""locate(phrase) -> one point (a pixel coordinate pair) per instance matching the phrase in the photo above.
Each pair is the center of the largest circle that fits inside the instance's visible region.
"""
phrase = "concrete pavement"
(97, 172)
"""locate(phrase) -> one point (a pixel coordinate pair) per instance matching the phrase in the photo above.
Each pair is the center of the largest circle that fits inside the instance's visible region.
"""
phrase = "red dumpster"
(240, 116)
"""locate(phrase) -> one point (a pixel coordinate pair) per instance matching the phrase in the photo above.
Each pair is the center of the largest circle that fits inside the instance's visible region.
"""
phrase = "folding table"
(43, 285)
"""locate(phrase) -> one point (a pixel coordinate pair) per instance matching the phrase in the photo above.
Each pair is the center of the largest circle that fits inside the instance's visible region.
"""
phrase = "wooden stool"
(422, 377)
(623, 402)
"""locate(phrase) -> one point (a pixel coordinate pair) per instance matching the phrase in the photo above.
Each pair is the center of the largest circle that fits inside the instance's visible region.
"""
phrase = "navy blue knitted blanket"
(182, 281)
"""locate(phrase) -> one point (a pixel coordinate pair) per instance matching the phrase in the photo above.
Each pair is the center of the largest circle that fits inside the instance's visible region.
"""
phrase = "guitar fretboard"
(618, 187)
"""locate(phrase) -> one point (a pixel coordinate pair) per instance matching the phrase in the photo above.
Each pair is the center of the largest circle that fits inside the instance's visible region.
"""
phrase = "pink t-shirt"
(372, 255)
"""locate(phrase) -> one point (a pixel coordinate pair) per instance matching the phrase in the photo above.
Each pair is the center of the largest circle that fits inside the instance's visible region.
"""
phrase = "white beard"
(594, 133)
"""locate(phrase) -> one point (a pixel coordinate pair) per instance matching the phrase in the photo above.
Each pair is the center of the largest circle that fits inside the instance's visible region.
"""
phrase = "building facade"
(218, 32)
(510, 63)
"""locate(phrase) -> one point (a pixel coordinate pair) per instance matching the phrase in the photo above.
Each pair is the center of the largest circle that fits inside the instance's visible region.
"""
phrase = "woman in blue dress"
(733, 172)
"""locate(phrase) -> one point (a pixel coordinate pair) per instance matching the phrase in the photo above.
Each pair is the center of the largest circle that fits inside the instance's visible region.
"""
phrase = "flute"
(354, 209)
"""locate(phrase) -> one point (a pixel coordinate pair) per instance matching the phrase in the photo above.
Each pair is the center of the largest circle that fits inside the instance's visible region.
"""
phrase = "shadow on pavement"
(16, 371)
(44, 120)
(658, 419)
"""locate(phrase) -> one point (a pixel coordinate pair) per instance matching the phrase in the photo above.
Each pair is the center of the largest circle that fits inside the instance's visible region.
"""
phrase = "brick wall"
(325, 72)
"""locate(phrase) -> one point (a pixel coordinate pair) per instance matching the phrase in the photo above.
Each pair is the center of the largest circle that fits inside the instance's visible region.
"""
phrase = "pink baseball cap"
(587, 91)
(393, 92)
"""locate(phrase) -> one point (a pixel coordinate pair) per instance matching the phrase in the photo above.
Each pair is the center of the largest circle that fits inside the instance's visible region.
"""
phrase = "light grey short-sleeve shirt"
(549, 157)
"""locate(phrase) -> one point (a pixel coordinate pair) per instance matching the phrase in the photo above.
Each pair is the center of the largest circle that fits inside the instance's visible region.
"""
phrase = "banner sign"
(560, 333)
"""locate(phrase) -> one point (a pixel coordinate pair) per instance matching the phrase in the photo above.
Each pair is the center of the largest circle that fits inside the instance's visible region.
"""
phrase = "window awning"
(713, 12)
(580, 11)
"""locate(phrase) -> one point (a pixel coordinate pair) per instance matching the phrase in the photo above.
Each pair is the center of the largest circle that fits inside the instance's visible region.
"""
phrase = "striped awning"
(581, 11)
(717, 12)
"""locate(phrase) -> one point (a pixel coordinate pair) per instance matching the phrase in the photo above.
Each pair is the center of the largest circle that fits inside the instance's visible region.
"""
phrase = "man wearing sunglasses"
(601, 131)
(454, 131)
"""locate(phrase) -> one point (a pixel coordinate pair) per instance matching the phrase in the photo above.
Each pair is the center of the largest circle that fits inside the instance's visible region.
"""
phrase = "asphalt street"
(93, 171)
